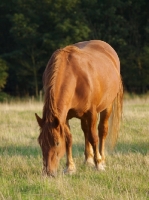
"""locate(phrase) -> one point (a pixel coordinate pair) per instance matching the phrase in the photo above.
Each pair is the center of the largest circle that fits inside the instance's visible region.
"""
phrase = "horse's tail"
(116, 116)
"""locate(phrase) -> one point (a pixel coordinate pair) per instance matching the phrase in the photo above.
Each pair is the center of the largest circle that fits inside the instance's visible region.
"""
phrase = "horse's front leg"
(89, 154)
(70, 166)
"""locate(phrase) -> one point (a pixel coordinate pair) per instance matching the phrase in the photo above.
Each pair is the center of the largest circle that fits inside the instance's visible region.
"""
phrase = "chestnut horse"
(80, 80)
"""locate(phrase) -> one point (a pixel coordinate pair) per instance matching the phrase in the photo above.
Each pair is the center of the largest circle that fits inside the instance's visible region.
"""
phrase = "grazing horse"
(80, 80)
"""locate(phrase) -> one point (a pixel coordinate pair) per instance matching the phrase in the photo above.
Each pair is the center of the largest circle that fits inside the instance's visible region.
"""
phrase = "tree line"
(31, 30)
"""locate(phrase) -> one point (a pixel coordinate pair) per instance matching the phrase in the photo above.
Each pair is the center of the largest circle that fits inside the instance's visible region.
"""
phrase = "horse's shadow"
(132, 147)
(122, 148)
(13, 150)
(78, 149)
(35, 151)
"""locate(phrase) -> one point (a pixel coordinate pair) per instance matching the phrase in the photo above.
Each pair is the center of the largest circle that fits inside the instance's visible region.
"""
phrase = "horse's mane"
(49, 78)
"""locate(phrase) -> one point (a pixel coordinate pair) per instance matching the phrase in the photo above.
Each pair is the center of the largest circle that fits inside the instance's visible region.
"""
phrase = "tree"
(36, 31)
(120, 24)
(27, 38)
(31, 31)
(3, 73)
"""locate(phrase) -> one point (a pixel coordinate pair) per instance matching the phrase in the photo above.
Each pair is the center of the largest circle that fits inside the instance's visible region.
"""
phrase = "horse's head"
(52, 143)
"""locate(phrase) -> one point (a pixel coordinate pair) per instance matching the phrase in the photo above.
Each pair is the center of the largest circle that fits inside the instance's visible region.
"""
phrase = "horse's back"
(98, 48)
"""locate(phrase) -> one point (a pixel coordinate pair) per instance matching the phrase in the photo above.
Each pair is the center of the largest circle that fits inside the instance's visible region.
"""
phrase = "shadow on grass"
(125, 148)
(78, 149)
(35, 151)
(20, 150)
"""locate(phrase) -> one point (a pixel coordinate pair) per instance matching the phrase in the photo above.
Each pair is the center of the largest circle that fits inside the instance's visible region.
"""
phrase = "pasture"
(127, 172)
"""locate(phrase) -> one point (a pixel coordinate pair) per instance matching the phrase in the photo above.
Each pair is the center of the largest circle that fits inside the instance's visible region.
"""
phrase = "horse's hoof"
(70, 171)
(90, 162)
(101, 167)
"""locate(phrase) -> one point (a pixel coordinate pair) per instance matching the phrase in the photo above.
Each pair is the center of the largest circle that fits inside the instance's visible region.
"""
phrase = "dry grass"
(126, 175)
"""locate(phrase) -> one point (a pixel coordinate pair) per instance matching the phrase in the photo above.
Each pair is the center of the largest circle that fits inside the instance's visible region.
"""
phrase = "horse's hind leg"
(93, 138)
(89, 155)
(103, 131)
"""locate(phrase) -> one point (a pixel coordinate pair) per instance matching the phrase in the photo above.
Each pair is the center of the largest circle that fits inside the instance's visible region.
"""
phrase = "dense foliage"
(30, 30)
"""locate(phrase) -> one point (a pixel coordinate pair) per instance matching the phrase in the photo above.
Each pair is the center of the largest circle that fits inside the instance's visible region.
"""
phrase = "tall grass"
(126, 175)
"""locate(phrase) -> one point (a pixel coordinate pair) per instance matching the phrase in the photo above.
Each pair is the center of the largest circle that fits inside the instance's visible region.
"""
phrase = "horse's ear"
(39, 120)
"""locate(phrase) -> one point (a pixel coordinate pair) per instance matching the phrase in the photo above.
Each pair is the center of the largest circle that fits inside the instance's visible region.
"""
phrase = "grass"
(126, 176)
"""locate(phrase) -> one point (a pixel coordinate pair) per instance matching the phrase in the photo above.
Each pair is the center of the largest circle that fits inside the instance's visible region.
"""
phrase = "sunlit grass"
(127, 171)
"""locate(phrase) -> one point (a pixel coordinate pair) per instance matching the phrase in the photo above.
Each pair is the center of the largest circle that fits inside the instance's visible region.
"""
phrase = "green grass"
(127, 172)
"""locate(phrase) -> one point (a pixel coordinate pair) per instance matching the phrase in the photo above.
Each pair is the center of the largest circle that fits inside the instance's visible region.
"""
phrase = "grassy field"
(126, 176)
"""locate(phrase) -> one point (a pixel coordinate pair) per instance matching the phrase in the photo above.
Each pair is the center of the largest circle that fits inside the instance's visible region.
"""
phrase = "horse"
(83, 81)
